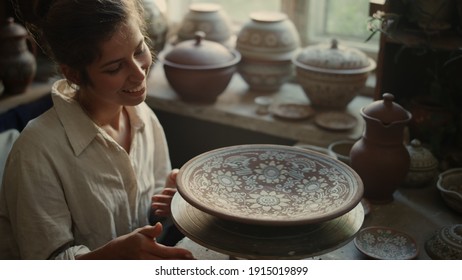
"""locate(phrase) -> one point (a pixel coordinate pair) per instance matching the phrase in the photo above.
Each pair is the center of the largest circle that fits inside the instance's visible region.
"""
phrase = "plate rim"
(353, 119)
(275, 110)
(356, 198)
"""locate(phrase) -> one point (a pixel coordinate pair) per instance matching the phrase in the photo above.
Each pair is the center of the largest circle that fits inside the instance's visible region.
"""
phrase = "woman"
(80, 178)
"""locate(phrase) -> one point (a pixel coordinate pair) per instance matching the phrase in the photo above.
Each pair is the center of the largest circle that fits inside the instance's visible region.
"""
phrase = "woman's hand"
(139, 245)
(161, 202)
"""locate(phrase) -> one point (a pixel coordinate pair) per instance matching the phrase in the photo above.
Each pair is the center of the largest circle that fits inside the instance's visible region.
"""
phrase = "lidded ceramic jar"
(446, 243)
(209, 18)
(267, 43)
(199, 70)
(17, 63)
(423, 166)
(331, 75)
(380, 156)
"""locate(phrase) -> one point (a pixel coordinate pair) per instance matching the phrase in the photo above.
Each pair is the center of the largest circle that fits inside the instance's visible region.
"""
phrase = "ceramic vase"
(209, 18)
(380, 156)
(17, 63)
(157, 25)
(267, 42)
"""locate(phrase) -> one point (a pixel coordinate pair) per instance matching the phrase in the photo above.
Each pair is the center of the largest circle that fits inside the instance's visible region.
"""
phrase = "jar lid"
(11, 29)
(200, 53)
(386, 110)
(334, 58)
(421, 158)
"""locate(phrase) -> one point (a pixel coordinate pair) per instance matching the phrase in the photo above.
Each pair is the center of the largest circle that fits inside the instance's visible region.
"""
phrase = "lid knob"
(199, 36)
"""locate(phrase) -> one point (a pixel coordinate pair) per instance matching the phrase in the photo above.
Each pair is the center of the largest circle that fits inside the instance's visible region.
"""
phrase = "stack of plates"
(268, 202)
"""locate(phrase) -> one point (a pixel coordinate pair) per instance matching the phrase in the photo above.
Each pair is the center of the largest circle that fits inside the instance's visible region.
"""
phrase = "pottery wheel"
(265, 242)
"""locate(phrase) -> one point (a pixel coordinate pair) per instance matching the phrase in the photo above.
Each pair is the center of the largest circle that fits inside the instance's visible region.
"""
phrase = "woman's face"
(118, 77)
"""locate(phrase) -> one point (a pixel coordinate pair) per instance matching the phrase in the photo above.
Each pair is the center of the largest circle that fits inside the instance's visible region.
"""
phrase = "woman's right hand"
(139, 245)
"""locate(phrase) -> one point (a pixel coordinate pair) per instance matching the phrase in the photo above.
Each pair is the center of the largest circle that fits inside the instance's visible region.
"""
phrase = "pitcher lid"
(386, 110)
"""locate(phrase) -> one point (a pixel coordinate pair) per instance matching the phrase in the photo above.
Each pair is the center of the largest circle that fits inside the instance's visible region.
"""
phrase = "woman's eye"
(114, 70)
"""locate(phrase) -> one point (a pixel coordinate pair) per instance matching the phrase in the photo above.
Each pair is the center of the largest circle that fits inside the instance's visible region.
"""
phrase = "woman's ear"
(71, 74)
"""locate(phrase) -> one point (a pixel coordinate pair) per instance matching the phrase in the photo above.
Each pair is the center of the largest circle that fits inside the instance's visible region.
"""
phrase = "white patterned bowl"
(269, 185)
(450, 186)
(331, 75)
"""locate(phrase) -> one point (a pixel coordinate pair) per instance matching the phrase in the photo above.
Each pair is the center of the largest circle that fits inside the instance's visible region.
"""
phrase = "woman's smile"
(137, 91)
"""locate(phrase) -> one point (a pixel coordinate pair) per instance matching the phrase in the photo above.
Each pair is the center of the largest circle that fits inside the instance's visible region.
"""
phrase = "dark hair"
(71, 31)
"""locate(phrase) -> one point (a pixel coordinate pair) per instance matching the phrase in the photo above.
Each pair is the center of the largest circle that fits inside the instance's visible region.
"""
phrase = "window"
(317, 20)
(344, 20)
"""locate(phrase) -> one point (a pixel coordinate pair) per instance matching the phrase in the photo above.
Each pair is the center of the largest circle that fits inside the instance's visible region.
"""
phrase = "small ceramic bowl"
(341, 150)
(446, 243)
(450, 186)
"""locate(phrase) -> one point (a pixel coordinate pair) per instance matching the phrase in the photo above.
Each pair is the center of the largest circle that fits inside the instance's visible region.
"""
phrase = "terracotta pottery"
(208, 18)
(341, 150)
(200, 70)
(380, 156)
(270, 185)
(423, 167)
(267, 43)
(331, 75)
(17, 63)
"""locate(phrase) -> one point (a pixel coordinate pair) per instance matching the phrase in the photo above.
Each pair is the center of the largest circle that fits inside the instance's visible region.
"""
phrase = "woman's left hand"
(161, 202)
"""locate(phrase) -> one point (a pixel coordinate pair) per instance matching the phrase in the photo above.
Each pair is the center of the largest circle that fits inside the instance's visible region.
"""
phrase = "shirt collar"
(80, 129)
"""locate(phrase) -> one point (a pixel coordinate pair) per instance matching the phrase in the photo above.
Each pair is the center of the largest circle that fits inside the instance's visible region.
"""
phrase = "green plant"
(382, 22)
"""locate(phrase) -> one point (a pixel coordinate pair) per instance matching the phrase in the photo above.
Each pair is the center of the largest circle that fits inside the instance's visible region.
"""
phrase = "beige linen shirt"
(69, 188)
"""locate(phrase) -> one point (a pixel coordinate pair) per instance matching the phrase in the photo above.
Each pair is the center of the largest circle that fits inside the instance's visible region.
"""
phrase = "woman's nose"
(138, 70)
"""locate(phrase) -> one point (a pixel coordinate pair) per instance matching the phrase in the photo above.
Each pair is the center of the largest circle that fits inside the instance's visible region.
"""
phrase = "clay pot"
(423, 167)
(380, 156)
(17, 63)
(208, 18)
(341, 150)
(332, 75)
(199, 70)
(267, 43)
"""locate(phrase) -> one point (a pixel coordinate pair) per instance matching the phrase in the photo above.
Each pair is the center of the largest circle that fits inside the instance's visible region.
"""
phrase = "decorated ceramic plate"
(269, 185)
(251, 241)
(335, 120)
(386, 243)
(292, 111)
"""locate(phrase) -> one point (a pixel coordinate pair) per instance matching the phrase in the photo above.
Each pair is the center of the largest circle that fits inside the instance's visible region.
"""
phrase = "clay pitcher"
(17, 63)
(380, 157)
